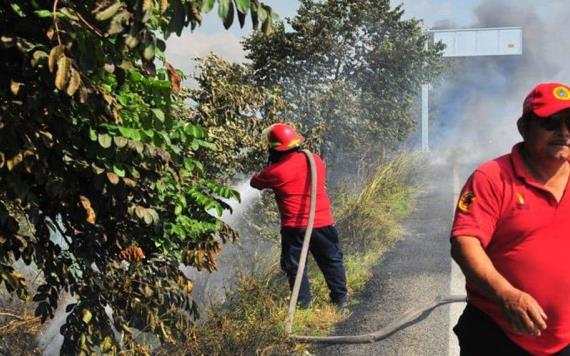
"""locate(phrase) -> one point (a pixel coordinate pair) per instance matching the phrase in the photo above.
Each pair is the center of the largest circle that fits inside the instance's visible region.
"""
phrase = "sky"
(211, 36)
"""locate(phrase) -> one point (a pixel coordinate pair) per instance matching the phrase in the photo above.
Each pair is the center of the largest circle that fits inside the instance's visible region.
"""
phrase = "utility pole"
(496, 41)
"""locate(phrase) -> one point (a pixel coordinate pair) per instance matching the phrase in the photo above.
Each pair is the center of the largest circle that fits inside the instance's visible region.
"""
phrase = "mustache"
(560, 142)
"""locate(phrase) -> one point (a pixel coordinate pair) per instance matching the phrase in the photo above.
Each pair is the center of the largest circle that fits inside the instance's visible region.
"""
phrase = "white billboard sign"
(480, 42)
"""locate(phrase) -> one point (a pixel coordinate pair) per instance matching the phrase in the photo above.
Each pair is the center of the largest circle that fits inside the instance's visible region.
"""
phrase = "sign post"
(499, 41)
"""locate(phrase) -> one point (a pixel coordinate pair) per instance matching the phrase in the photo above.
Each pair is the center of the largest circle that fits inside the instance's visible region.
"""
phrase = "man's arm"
(256, 183)
(267, 178)
(522, 312)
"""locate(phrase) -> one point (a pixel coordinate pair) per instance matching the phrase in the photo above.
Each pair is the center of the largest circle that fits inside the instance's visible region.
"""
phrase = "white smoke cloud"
(478, 104)
(248, 255)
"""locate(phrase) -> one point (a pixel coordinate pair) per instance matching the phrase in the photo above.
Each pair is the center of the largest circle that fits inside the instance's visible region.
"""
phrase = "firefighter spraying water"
(298, 179)
(287, 174)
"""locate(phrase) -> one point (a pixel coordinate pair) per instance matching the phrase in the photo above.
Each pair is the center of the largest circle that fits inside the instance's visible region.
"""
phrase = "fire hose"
(406, 319)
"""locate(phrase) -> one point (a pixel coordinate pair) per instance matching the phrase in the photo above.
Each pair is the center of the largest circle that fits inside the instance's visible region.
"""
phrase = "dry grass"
(250, 323)
(18, 329)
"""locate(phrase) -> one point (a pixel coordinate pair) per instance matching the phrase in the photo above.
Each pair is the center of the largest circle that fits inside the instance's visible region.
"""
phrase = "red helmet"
(282, 137)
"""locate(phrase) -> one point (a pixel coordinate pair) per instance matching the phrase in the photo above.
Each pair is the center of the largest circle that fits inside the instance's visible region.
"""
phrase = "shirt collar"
(518, 164)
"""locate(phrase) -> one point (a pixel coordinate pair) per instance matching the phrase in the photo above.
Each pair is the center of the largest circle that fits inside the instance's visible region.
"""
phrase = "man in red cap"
(511, 238)
(288, 174)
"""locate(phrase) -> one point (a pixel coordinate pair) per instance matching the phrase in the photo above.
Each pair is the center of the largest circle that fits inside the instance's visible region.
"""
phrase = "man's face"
(548, 139)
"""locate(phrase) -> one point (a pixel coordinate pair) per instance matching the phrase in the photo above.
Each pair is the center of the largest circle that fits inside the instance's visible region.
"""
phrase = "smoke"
(248, 255)
(247, 195)
(50, 339)
(477, 105)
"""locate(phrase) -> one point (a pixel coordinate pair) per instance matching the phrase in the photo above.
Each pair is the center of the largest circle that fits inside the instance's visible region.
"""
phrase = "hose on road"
(406, 319)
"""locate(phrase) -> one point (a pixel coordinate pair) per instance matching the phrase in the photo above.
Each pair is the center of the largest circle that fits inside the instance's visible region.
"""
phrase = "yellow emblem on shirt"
(466, 201)
(520, 199)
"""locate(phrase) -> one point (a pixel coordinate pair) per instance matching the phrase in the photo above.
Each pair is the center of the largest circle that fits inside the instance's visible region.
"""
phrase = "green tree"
(353, 67)
(101, 184)
(235, 110)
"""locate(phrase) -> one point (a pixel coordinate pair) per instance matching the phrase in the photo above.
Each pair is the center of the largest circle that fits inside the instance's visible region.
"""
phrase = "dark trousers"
(325, 248)
(479, 335)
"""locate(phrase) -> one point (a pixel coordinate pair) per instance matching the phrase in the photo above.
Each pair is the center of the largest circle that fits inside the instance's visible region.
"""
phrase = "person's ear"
(522, 126)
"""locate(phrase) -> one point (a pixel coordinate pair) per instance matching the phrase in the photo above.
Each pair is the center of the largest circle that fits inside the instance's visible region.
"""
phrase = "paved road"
(413, 273)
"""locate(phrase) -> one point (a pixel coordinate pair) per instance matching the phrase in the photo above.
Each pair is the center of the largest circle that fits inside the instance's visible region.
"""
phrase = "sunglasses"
(554, 123)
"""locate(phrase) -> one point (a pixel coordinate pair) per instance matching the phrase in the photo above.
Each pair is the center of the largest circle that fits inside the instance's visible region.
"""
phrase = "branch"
(11, 315)
(89, 26)
(54, 11)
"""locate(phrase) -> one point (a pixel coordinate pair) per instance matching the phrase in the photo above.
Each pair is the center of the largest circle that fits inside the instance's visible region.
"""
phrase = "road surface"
(413, 273)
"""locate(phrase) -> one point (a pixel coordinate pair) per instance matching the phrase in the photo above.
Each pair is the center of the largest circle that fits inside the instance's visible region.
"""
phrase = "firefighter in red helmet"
(288, 175)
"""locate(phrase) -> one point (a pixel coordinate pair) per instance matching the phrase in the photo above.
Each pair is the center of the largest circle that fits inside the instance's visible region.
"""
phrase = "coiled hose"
(406, 319)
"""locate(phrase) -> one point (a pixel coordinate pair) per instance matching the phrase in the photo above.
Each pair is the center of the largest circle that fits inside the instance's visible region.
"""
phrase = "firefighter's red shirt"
(526, 234)
(290, 179)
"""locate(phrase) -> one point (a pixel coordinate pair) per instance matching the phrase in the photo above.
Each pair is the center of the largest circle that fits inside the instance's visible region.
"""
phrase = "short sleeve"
(478, 207)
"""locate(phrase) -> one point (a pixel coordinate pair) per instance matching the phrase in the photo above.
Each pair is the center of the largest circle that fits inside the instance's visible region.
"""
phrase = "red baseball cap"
(547, 99)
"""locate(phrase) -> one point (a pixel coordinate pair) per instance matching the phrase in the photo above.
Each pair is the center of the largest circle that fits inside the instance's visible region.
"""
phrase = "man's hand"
(523, 312)
(520, 309)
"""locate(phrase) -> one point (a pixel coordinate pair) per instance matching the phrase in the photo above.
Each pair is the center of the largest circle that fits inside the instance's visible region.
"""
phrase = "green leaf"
(86, 316)
(229, 19)
(254, 16)
(43, 13)
(223, 8)
(207, 6)
(267, 25)
(262, 13)
(133, 134)
(38, 57)
(194, 131)
(149, 52)
(17, 9)
(92, 135)
(159, 114)
(243, 5)
(105, 140)
(207, 144)
(121, 172)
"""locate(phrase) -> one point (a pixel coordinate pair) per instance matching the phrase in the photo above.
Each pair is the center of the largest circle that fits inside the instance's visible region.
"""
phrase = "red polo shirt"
(526, 234)
(290, 179)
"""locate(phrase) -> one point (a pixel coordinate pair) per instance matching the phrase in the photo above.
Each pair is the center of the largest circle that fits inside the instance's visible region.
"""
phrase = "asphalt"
(410, 275)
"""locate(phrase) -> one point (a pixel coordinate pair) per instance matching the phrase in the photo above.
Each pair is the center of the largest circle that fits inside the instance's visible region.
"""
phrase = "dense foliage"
(101, 182)
(235, 110)
(353, 67)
